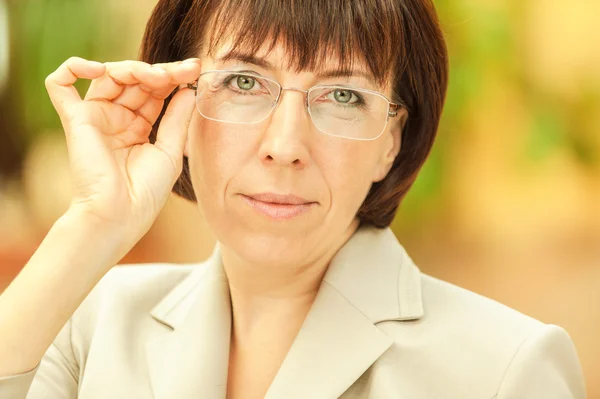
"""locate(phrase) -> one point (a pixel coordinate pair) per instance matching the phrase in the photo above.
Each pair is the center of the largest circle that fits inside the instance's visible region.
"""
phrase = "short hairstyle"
(400, 41)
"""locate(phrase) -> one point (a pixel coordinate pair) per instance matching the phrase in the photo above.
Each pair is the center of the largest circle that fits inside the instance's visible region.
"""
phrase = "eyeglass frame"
(393, 108)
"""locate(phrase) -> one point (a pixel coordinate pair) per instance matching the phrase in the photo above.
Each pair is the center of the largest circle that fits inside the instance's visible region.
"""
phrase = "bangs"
(313, 33)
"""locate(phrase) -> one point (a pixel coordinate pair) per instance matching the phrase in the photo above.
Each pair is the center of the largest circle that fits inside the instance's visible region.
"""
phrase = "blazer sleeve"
(545, 366)
(55, 377)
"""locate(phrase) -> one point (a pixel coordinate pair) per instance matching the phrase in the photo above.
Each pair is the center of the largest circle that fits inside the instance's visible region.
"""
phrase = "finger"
(185, 73)
(137, 72)
(169, 66)
(159, 80)
(104, 88)
(173, 129)
(133, 97)
(181, 73)
(121, 74)
(59, 83)
(151, 110)
(129, 83)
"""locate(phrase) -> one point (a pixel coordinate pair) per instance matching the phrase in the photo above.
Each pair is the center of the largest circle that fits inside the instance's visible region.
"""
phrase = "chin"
(259, 240)
(267, 248)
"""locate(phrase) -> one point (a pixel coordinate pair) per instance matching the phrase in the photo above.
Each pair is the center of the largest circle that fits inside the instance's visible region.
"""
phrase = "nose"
(285, 140)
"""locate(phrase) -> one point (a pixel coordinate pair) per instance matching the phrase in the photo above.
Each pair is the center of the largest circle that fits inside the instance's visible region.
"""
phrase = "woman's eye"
(343, 96)
(245, 83)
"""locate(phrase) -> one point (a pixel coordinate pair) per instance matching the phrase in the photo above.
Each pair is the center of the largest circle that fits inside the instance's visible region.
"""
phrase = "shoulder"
(144, 282)
(464, 336)
(127, 294)
(457, 320)
(473, 324)
(146, 277)
(458, 309)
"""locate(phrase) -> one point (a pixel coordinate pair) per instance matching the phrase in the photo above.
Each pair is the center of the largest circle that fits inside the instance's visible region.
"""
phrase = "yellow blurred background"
(508, 205)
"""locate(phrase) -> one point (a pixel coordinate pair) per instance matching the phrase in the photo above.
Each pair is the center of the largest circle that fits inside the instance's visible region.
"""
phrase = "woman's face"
(284, 154)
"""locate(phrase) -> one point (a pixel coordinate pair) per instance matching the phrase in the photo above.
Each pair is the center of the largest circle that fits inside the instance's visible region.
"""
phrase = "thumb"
(173, 129)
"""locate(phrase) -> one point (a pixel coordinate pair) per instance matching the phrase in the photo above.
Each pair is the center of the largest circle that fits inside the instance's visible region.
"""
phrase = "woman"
(304, 127)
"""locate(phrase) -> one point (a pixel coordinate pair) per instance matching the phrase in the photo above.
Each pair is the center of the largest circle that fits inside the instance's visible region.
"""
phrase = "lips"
(278, 206)
(272, 198)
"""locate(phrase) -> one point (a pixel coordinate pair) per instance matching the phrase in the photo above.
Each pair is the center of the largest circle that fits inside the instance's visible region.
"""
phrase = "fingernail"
(192, 61)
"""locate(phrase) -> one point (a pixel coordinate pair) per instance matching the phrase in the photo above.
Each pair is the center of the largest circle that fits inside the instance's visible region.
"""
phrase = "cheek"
(348, 170)
(215, 156)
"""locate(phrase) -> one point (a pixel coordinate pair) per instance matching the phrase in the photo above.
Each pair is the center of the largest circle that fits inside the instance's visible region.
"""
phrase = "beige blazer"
(378, 329)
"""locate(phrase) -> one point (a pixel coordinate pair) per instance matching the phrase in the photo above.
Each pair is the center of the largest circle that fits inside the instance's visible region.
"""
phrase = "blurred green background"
(508, 205)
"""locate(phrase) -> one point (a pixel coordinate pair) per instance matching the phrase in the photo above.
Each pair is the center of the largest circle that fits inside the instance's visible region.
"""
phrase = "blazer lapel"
(188, 348)
(370, 280)
(334, 347)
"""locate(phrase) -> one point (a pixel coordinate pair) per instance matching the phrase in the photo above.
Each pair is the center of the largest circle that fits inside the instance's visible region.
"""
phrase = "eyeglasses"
(246, 98)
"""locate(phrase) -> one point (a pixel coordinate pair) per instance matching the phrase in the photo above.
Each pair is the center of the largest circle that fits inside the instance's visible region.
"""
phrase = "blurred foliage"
(483, 42)
(44, 34)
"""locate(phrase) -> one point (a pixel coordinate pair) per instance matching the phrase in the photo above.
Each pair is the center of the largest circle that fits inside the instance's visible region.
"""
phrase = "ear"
(392, 146)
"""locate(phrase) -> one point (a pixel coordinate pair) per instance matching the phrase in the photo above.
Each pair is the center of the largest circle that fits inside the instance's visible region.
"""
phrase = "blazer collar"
(371, 279)
(375, 274)
(187, 350)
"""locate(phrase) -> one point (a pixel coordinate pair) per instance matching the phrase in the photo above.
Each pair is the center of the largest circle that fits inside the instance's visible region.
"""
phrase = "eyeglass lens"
(335, 110)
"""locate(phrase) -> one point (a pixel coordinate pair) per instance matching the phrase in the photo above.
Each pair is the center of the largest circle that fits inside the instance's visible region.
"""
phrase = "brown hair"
(398, 39)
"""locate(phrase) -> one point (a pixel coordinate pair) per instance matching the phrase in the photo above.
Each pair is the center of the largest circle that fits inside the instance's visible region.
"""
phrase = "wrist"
(100, 235)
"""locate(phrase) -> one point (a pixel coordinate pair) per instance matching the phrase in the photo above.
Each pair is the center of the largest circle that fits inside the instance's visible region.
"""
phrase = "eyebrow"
(263, 63)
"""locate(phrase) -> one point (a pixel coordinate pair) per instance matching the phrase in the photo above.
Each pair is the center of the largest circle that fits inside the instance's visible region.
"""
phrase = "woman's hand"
(119, 178)
(121, 182)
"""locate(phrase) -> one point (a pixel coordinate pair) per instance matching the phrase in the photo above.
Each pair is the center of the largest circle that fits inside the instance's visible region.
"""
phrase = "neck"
(265, 296)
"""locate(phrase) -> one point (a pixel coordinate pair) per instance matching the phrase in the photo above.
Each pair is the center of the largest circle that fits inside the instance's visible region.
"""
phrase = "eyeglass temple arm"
(394, 108)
